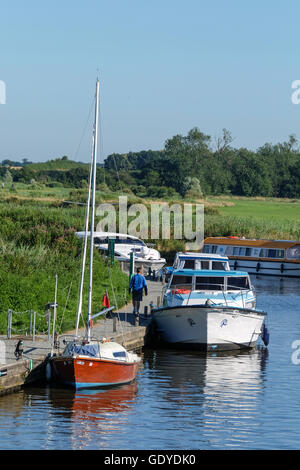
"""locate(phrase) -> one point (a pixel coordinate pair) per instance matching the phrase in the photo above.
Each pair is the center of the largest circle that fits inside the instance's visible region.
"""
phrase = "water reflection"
(217, 397)
(268, 285)
(181, 399)
(93, 412)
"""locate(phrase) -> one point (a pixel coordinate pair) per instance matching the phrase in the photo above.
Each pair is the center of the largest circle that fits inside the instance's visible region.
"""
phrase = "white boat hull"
(209, 328)
(271, 268)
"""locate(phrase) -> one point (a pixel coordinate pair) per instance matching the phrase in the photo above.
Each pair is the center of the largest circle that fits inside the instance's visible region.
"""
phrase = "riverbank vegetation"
(37, 241)
(254, 194)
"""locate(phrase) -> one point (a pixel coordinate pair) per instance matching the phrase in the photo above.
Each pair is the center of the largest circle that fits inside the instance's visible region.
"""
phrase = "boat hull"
(208, 328)
(84, 372)
(271, 268)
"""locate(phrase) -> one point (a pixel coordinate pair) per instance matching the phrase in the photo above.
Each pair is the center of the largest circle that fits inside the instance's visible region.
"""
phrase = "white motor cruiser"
(209, 310)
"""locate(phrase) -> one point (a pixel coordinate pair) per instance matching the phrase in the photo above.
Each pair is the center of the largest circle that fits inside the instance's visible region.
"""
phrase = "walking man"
(137, 285)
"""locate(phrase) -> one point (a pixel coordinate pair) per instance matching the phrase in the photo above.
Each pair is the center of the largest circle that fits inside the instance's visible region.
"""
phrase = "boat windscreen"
(119, 241)
(182, 281)
(209, 283)
(238, 282)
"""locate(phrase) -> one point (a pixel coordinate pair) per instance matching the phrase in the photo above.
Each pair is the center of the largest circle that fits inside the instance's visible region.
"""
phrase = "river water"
(180, 400)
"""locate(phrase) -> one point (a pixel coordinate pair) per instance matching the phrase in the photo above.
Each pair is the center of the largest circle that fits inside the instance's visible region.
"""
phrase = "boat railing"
(187, 288)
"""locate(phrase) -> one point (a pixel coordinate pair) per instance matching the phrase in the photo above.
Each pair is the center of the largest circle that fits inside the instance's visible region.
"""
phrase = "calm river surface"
(180, 400)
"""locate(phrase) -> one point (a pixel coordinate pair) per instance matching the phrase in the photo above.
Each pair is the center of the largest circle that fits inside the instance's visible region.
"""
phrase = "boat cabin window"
(239, 251)
(229, 250)
(204, 264)
(218, 265)
(293, 252)
(128, 241)
(238, 282)
(210, 249)
(271, 253)
(189, 264)
(209, 283)
(182, 281)
(101, 241)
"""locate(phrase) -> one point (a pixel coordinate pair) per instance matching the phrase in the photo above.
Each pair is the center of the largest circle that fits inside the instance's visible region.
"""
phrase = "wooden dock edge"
(15, 375)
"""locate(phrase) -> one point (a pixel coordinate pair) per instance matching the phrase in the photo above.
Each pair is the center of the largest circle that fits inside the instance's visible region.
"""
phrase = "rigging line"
(65, 306)
(84, 129)
(101, 150)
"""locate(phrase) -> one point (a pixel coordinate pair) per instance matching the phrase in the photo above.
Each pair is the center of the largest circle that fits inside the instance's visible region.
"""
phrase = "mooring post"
(9, 322)
(33, 333)
(30, 323)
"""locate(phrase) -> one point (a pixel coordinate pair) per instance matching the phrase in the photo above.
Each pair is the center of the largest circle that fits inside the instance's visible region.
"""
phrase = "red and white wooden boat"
(95, 364)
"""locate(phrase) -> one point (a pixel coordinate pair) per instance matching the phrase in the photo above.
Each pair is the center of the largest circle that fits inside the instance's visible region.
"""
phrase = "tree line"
(193, 165)
(189, 166)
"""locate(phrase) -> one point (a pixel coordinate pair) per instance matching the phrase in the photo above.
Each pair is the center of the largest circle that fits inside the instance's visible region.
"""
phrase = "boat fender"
(281, 267)
(265, 335)
(235, 265)
(257, 267)
(48, 371)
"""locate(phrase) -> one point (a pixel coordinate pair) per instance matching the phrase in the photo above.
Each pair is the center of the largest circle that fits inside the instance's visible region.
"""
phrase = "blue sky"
(165, 66)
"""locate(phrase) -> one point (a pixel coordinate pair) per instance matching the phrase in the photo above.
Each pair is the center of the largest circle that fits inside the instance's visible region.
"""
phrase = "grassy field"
(261, 208)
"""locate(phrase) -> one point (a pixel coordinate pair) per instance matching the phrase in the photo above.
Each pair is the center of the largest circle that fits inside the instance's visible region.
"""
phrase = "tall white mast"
(79, 307)
(94, 168)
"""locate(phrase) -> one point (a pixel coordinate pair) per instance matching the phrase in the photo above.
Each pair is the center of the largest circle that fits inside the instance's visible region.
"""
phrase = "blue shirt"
(138, 282)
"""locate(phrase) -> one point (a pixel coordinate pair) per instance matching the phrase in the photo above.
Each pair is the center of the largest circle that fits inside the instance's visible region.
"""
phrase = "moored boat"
(124, 244)
(96, 364)
(269, 257)
(209, 311)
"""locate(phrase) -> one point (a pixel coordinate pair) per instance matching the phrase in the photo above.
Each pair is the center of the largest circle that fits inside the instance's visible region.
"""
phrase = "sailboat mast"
(79, 307)
(94, 168)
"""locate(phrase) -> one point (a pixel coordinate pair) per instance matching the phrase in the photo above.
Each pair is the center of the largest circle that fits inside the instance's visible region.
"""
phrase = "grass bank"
(37, 242)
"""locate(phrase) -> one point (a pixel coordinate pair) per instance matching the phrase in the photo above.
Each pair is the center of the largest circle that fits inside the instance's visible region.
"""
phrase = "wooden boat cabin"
(272, 257)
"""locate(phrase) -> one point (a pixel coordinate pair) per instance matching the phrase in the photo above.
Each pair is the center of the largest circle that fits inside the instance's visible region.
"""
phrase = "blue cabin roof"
(200, 257)
(207, 272)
